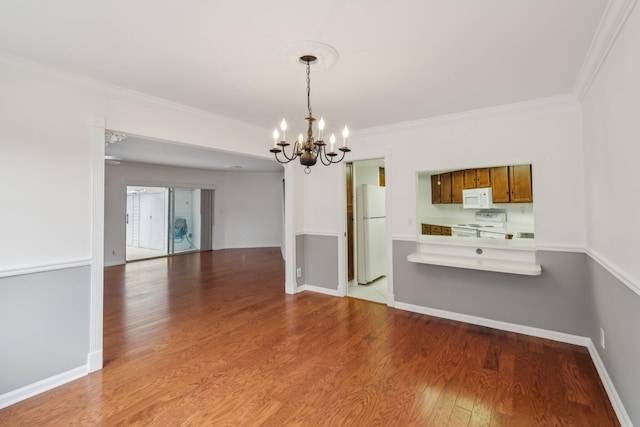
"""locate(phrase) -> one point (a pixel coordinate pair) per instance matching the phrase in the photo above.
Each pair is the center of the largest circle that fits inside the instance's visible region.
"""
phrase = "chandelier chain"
(309, 88)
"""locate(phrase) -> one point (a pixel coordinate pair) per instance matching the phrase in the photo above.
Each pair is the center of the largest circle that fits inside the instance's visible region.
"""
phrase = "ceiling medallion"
(310, 149)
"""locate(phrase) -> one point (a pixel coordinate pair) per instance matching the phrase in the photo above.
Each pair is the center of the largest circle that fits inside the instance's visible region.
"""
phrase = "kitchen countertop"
(519, 244)
(510, 228)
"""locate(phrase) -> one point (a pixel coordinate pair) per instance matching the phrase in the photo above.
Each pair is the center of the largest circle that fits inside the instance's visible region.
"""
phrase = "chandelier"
(309, 149)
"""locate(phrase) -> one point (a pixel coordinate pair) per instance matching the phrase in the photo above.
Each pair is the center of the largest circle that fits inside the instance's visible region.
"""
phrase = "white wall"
(46, 169)
(252, 210)
(546, 134)
(324, 199)
(248, 206)
(612, 154)
(367, 172)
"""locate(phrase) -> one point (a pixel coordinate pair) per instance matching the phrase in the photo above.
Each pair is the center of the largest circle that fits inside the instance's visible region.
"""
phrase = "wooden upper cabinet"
(510, 184)
(520, 183)
(483, 178)
(469, 178)
(500, 184)
(477, 178)
(445, 188)
(435, 190)
(457, 185)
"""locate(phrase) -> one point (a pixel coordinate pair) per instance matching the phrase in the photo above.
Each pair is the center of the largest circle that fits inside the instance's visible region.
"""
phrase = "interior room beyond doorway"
(366, 230)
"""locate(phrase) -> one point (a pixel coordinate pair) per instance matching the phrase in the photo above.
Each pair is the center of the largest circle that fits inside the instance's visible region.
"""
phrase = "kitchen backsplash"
(517, 213)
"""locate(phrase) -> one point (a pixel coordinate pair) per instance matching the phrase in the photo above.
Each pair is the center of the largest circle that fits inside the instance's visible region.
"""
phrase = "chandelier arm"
(285, 161)
(342, 157)
(293, 152)
(322, 153)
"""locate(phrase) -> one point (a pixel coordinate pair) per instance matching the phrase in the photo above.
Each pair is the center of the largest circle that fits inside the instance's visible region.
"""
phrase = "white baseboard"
(318, 289)
(496, 324)
(616, 402)
(94, 361)
(30, 390)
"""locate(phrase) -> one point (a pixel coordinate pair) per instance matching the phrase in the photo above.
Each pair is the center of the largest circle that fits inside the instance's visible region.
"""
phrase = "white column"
(96, 139)
(289, 231)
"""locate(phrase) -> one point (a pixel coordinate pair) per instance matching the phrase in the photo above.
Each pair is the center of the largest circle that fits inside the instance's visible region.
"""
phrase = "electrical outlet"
(298, 272)
(602, 338)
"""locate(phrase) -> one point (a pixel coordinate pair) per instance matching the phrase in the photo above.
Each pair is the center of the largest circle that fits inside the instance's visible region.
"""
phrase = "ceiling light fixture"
(309, 149)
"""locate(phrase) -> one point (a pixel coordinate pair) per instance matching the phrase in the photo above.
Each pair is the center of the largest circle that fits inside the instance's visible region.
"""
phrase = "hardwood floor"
(212, 339)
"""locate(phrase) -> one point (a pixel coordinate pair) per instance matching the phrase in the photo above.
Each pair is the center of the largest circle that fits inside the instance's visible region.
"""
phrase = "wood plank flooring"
(212, 339)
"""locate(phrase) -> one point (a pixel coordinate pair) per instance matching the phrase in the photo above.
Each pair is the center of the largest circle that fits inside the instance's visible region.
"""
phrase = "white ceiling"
(399, 60)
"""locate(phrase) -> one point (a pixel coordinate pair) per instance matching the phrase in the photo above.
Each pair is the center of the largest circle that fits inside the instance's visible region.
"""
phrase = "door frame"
(342, 261)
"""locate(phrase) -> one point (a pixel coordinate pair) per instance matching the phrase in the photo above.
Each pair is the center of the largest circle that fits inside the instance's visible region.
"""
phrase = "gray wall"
(616, 309)
(318, 258)
(558, 300)
(44, 330)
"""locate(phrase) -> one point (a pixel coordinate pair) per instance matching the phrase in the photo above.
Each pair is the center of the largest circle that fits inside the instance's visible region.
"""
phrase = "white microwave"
(477, 198)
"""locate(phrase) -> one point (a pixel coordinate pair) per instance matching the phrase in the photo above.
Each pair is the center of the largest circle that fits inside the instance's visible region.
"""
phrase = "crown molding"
(482, 113)
(54, 75)
(611, 23)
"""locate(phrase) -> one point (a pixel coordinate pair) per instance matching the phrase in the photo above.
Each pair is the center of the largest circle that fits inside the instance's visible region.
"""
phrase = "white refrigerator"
(370, 229)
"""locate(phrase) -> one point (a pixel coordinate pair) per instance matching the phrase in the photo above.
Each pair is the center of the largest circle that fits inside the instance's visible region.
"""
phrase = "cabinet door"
(483, 179)
(457, 185)
(469, 178)
(445, 188)
(500, 184)
(520, 183)
(436, 189)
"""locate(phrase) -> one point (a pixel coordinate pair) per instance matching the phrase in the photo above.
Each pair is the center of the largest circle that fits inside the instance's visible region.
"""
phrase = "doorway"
(163, 221)
(366, 230)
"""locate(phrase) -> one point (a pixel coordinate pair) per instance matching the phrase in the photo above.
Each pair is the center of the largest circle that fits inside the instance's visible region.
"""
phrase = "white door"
(152, 220)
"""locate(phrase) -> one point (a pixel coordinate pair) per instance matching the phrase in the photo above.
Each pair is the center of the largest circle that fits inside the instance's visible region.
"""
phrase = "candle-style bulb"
(283, 128)
(321, 123)
(300, 139)
(345, 134)
(275, 137)
(333, 141)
